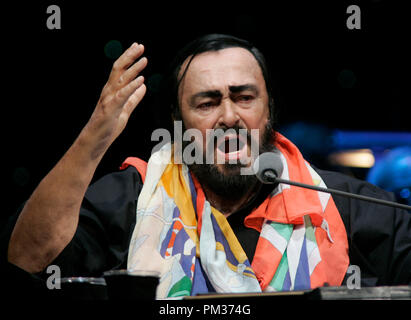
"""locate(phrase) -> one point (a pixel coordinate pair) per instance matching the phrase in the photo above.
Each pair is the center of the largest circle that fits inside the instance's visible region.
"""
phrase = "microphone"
(268, 167)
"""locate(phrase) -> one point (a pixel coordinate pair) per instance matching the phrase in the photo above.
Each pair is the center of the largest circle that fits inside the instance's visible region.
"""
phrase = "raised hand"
(119, 97)
(49, 218)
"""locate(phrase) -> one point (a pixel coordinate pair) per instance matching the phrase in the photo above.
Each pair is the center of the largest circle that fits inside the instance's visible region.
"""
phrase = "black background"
(51, 79)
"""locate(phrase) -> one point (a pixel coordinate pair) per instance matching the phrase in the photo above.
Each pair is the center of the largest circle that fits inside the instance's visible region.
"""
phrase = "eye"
(245, 98)
(205, 105)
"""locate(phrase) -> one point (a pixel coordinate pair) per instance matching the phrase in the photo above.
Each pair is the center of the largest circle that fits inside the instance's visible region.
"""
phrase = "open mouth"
(232, 147)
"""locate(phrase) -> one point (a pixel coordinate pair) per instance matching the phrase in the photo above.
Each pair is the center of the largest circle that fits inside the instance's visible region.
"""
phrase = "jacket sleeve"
(379, 236)
(107, 219)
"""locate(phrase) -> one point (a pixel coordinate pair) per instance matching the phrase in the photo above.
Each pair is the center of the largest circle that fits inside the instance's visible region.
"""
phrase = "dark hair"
(213, 42)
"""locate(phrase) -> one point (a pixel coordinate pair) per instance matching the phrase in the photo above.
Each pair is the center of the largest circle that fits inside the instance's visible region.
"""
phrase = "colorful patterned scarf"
(302, 244)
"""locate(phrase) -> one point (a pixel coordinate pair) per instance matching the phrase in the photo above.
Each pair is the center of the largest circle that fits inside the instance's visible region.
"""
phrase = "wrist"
(92, 144)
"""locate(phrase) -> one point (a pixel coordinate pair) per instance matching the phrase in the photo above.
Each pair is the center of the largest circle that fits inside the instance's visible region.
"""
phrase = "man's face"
(224, 89)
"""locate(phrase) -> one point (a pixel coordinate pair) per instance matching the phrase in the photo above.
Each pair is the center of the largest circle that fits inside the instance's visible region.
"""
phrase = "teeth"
(231, 145)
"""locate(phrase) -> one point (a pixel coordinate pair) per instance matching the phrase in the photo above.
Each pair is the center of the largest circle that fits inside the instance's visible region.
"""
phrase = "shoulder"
(378, 235)
(115, 185)
(347, 183)
(358, 214)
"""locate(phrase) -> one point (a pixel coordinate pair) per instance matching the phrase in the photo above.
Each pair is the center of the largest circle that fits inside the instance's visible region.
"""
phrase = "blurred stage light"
(405, 193)
(345, 139)
(392, 172)
(113, 49)
(362, 158)
(310, 138)
(347, 78)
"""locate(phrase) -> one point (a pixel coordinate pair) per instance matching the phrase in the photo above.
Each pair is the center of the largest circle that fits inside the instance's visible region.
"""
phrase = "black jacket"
(379, 236)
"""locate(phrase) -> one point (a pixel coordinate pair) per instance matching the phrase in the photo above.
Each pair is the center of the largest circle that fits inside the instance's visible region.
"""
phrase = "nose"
(229, 116)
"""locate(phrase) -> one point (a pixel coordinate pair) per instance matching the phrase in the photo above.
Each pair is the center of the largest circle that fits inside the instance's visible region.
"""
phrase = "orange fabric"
(289, 207)
(139, 164)
(200, 202)
(334, 255)
(295, 202)
(271, 257)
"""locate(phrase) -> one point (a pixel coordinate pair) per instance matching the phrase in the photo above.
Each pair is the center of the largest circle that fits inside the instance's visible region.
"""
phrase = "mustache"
(218, 133)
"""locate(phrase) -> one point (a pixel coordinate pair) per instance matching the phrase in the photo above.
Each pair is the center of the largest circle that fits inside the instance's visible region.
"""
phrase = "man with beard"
(204, 227)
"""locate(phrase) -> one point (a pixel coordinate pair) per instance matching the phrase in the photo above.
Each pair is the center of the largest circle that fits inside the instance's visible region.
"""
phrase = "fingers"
(126, 59)
(124, 93)
(134, 99)
(122, 81)
(133, 71)
(121, 73)
(125, 89)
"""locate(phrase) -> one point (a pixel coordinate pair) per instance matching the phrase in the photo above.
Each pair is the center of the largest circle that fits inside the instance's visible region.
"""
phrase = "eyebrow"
(243, 87)
(206, 94)
(218, 94)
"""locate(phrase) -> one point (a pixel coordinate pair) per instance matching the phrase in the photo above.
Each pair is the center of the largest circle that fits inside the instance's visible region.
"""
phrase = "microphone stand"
(272, 178)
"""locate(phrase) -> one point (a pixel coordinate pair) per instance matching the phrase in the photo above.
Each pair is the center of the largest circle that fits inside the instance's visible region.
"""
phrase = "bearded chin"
(228, 182)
